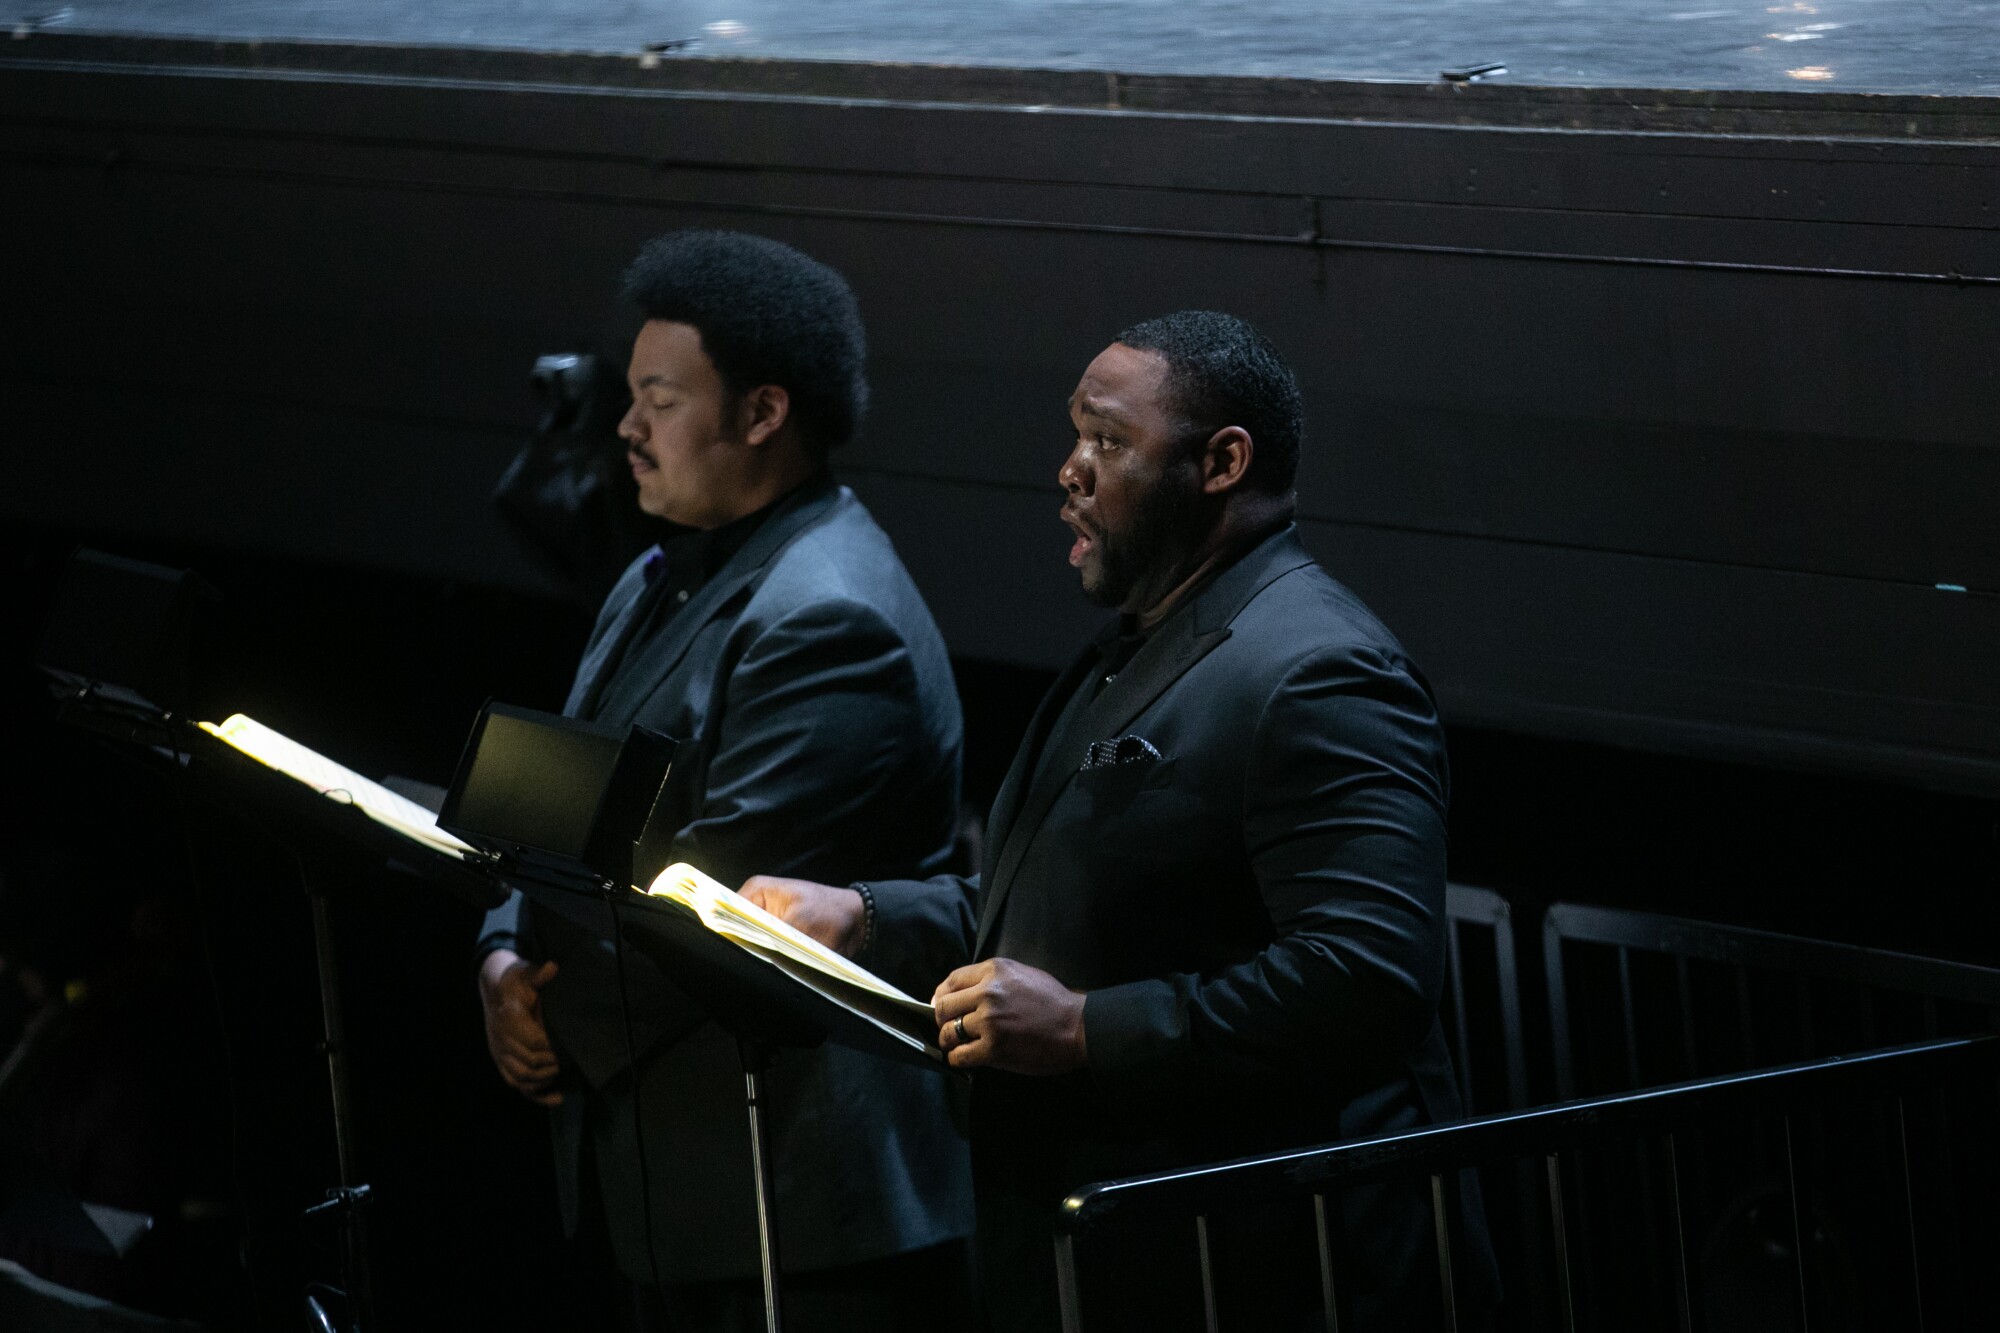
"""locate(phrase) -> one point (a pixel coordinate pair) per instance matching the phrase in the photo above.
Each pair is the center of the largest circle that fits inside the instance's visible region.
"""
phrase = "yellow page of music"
(735, 917)
(276, 750)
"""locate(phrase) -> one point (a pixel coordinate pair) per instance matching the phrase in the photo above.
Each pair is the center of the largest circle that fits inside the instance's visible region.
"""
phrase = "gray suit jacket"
(823, 736)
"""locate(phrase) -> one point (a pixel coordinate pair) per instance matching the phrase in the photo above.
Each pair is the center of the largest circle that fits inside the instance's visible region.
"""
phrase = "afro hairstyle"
(767, 314)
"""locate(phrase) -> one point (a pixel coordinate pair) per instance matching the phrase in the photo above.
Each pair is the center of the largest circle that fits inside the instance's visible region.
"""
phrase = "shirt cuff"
(492, 942)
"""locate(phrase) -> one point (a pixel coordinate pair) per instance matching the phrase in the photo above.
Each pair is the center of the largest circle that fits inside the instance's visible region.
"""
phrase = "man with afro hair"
(783, 639)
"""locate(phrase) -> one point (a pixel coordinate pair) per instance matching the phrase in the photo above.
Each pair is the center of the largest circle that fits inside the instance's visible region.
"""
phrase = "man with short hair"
(783, 640)
(1210, 920)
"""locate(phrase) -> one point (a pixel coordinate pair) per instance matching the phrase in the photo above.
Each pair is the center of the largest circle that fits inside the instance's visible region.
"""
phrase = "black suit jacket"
(1257, 914)
(824, 734)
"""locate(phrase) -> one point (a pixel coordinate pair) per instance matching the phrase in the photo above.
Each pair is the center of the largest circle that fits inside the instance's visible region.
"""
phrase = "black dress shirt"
(680, 566)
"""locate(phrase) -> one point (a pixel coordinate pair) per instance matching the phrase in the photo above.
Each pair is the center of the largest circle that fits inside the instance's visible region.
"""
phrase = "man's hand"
(1010, 1016)
(834, 917)
(510, 990)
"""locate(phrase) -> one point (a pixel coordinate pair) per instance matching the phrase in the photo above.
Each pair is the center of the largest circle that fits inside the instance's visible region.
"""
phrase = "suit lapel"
(1007, 803)
(622, 608)
(646, 664)
(1161, 661)
(1182, 640)
(1164, 658)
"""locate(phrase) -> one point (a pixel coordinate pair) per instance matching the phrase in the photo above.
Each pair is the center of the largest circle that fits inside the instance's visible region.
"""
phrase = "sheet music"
(323, 775)
(735, 917)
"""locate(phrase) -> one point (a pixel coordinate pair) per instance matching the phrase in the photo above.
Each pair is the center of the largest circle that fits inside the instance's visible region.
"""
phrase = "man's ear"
(763, 412)
(1225, 460)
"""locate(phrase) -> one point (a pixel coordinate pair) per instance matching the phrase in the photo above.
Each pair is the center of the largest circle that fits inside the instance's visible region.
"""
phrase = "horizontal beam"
(1881, 969)
(1542, 1130)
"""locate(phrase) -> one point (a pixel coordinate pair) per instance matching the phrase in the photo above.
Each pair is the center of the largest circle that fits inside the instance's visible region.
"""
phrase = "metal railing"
(1775, 997)
(1637, 999)
(1484, 1039)
(1548, 1133)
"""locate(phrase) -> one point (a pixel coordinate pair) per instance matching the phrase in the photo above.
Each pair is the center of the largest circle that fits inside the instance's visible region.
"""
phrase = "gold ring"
(958, 1026)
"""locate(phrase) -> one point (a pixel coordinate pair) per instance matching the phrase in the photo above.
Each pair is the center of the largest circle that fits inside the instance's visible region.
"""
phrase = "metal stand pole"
(755, 1061)
(350, 1199)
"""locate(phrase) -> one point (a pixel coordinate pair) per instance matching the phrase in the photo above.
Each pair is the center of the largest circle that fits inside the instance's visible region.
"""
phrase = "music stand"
(119, 647)
(563, 805)
(119, 643)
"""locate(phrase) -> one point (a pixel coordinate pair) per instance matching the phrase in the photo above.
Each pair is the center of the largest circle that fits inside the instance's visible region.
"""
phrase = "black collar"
(697, 555)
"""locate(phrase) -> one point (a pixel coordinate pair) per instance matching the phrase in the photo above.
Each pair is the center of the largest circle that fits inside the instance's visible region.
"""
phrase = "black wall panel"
(1665, 438)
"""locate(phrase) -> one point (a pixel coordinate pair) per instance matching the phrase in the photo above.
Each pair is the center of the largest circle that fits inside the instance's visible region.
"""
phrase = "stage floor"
(1887, 46)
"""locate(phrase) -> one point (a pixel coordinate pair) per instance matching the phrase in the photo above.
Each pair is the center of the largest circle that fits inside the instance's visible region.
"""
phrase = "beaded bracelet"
(867, 918)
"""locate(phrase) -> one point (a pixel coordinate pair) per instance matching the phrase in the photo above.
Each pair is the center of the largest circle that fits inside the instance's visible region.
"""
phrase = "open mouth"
(1086, 536)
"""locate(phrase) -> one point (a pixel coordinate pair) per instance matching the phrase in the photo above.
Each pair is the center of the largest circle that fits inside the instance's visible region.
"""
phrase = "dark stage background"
(1660, 425)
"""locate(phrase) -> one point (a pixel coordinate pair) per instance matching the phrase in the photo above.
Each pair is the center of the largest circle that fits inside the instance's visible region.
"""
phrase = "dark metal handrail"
(1545, 1131)
(1883, 969)
(1622, 929)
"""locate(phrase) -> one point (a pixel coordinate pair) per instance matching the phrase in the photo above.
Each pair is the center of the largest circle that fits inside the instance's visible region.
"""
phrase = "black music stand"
(118, 647)
(561, 806)
(125, 630)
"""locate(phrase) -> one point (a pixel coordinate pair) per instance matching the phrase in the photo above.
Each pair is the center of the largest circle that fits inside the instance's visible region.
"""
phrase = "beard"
(1149, 553)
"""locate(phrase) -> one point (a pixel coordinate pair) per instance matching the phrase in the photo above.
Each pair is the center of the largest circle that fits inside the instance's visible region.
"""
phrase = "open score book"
(799, 956)
(276, 750)
(730, 915)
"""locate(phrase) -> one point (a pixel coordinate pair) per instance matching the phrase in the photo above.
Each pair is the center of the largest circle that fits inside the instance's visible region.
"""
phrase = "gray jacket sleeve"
(505, 928)
(818, 740)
